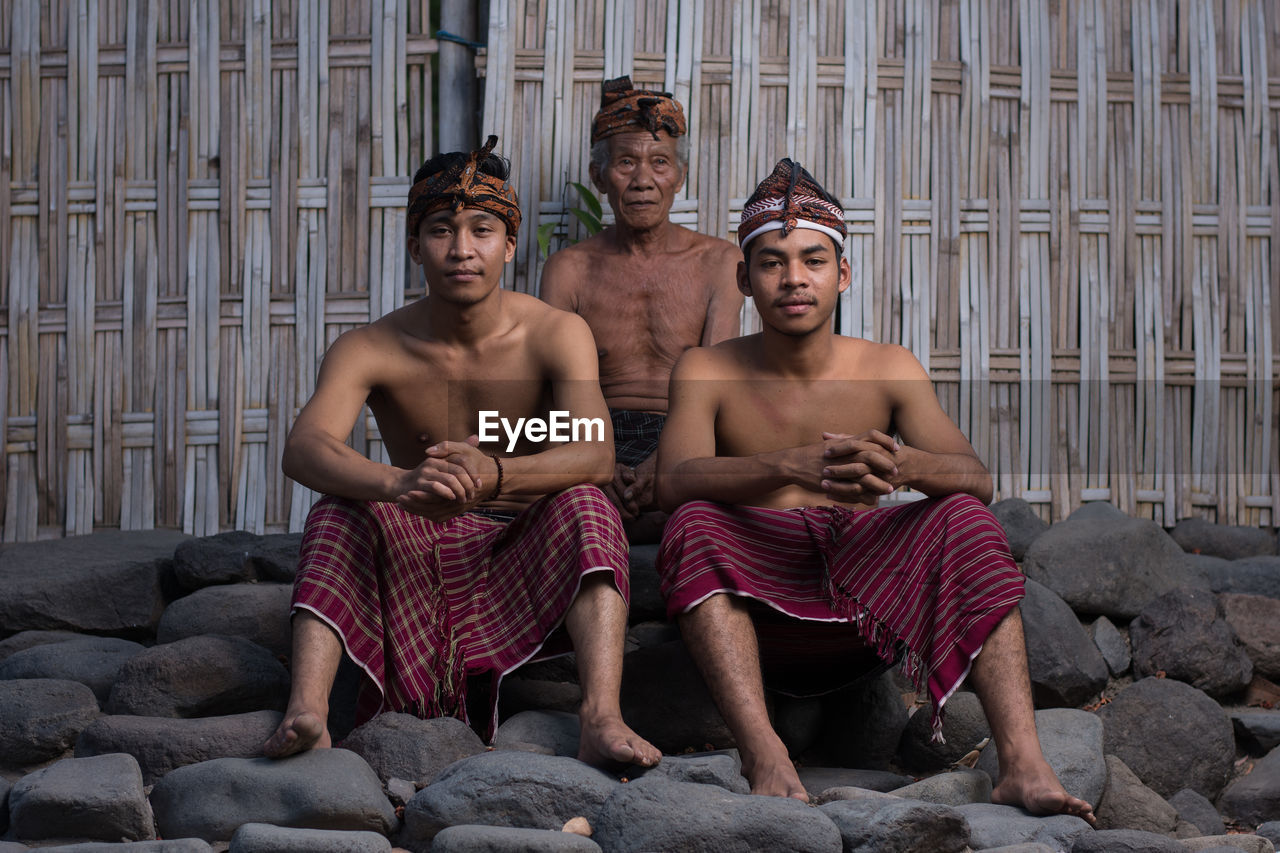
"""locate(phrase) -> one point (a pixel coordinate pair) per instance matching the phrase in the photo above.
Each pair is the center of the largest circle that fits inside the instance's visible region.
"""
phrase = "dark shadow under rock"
(665, 700)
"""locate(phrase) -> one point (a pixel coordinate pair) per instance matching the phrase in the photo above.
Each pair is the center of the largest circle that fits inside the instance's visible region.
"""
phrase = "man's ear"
(414, 248)
(846, 274)
(597, 180)
(511, 246)
(744, 280)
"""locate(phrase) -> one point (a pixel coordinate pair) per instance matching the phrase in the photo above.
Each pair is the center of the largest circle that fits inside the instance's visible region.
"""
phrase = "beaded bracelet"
(497, 489)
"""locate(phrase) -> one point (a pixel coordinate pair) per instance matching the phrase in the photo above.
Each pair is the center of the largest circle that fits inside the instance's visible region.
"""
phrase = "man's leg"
(597, 625)
(1000, 679)
(722, 639)
(317, 651)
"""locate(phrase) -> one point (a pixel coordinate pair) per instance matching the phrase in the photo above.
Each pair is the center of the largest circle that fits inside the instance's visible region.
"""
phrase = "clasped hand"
(450, 481)
(859, 468)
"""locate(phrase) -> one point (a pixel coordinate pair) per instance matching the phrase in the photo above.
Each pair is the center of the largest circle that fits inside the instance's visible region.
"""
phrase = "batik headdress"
(464, 185)
(624, 108)
(790, 198)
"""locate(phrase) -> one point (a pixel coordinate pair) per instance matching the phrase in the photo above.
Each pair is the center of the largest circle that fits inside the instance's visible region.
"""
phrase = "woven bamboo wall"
(1068, 210)
(196, 197)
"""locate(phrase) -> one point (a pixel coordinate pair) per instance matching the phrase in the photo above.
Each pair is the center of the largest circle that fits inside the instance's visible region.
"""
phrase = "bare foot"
(773, 775)
(302, 731)
(1036, 788)
(611, 742)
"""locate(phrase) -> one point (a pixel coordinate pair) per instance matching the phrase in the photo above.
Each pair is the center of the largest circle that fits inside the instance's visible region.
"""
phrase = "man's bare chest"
(760, 416)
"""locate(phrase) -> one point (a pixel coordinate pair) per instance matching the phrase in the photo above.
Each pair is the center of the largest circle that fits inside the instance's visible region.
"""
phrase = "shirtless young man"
(648, 288)
(776, 449)
(417, 568)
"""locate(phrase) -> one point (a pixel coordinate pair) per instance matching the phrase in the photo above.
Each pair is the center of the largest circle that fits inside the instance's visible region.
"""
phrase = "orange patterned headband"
(464, 185)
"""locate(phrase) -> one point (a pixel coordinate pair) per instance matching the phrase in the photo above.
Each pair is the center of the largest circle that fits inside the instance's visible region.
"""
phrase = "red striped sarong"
(422, 605)
(931, 578)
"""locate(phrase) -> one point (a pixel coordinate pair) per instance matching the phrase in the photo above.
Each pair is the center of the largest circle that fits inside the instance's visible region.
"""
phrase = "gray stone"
(203, 676)
(656, 813)
(1250, 576)
(845, 792)
(508, 789)
(723, 769)
(255, 611)
(558, 731)
(317, 789)
(30, 639)
(1198, 811)
(1021, 524)
(1125, 841)
(997, 826)
(1258, 731)
(161, 744)
(400, 791)
(1072, 744)
(1201, 536)
(1256, 621)
(40, 718)
(473, 838)
(97, 798)
(1270, 831)
(863, 724)
(536, 694)
(646, 599)
(1113, 645)
(1065, 665)
(92, 661)
(665, 699)
(955, 788)
(872, 826)
(265, 838)
(1255, 798)
(646, 634)
(276, 557)
(175, 845)
(234, 557)
(1182, 633)
(822, 778)
(1095, 510)
(1129, 804)
(964, 727)
(403, 746)
(1171, 735)
(106, 582)
(1232, 843)
(1033, 847)
(5, 786)
(1106, 563)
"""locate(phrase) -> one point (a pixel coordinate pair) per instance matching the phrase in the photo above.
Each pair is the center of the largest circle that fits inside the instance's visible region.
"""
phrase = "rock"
(403, 746)
(97, 798)
(317, 789)
(822, 778)
(472, 838)
(646, 600)
(1201, 536)
(92, 661)
(1182, 633)
(646, 634)
(1125, 841)
(1255, 798)
(30, 639)
(997, 826)
(400, 791)
(1193, 744)
(558, 731)
(1021, 848)
(1256, 621)
(1250, 576)
(723, 769)
(162, 744)
(1096, 510)
(955, 788)
(535, 694)
(255, 611)
(665, 699)
(1113, 645)
(203, 676)
(504, 788)
(176, 845)
(870, 826)
(1072, 742)
(1021, 524)
(1129, 804)
(845, 792)
(1232, 843)
(108, 582)
(1256, 730)
(862, 724)
(798, 721)
(234, 557)
(265, 838)
(964, 726)
(40, 718)
(1270, 831)
(1103, 563)
(1065, 665)
(656, 813)
(1196, 810)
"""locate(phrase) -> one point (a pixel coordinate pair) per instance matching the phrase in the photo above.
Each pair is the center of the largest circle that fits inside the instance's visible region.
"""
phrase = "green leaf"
(545, 230)
(591, 223)
(589, 199)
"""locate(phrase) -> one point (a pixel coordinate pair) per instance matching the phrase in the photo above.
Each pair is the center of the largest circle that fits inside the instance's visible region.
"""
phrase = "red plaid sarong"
(933, 577)
(421, 605)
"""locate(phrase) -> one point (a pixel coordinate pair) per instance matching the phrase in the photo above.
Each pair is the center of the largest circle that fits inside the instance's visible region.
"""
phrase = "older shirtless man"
(776, 449)
(458, 561)
(648, 288)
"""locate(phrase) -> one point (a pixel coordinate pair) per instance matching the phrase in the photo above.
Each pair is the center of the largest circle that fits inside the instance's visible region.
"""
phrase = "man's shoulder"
(874, 360)
(725, 359)
(711, 247)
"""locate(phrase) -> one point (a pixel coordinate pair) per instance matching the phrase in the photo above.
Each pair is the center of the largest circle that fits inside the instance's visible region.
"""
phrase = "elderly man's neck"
(661, 238)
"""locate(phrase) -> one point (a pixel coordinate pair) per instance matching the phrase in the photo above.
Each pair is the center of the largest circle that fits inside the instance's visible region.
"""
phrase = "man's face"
(795, 280)
(462, 254)
(641, 178)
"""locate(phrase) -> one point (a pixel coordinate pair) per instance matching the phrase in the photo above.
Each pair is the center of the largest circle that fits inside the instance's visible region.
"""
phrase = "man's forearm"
(938, 474)
(724, 479)
(557, 469)
(334, 468)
